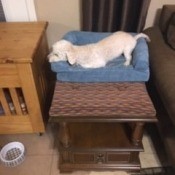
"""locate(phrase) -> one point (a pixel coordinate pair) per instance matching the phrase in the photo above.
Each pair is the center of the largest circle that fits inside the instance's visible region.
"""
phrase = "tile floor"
(42, 156)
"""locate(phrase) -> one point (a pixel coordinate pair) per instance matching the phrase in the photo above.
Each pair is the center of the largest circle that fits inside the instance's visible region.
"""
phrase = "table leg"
(63, 134)
(137, 133)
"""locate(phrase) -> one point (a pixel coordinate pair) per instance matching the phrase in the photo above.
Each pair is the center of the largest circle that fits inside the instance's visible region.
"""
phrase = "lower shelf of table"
(100, 146)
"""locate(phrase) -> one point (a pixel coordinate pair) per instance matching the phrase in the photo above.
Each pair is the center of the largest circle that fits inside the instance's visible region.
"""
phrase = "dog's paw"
(126, 63)
(52, 58)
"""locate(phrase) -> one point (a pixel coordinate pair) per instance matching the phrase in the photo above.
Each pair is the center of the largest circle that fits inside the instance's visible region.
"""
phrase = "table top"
(120, 102)
(19, 40)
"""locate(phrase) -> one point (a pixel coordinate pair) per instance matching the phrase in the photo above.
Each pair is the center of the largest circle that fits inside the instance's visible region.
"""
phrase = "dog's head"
(59, 51)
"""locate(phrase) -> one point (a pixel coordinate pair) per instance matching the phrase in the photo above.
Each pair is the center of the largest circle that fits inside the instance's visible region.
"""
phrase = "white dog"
(97, 54)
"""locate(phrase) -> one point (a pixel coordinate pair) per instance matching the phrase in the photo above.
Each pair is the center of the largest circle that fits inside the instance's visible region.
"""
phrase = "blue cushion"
(114, 71)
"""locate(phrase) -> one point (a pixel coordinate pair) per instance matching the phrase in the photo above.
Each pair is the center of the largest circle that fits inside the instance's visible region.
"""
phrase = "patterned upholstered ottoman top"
(115, 101)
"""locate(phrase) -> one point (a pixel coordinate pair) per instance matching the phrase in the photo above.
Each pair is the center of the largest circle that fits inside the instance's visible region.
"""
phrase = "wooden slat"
(4, 103)
(15, 99)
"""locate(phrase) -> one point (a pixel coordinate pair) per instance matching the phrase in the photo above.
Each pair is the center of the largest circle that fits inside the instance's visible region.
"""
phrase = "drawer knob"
(100, 158)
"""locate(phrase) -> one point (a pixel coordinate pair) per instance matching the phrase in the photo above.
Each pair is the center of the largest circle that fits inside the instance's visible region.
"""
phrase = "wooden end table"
(101, 124)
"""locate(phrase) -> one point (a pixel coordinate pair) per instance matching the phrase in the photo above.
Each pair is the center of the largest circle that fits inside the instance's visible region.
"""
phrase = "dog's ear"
(71, 58)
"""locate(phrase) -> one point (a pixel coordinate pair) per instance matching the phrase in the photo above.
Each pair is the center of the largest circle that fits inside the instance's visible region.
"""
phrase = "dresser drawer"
(116, 157)
(100, 157)
(83, 158)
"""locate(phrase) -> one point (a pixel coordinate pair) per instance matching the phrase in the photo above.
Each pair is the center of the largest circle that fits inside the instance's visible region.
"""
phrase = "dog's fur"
(98, 54)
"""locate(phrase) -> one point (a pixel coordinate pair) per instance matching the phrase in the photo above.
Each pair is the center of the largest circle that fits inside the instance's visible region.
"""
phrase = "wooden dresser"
(23, 77)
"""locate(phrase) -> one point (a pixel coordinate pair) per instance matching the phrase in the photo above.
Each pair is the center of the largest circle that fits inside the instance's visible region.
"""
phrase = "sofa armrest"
(162, 67)
(158, 43)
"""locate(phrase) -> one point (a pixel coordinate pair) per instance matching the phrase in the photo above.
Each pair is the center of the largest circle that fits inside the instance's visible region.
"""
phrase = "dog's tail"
(142, 35)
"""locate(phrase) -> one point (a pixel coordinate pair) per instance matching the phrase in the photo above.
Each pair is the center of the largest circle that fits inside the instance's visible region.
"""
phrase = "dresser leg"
(63, 134)
(137, 133)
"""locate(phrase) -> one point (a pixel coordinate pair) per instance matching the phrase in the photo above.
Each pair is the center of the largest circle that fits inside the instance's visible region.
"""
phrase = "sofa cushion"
(114, 71)
(162, 67)
(170, 34)
(165, 16)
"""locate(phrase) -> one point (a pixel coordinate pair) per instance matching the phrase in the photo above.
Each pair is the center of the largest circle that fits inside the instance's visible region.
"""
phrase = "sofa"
(162, 76)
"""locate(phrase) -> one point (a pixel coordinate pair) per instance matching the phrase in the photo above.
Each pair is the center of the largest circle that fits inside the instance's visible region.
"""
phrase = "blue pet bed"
(114, 71)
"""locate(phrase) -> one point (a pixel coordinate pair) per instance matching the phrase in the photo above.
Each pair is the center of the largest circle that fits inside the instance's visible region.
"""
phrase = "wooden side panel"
(43, 77)
(13, 117)
(15, 124)
(15, 101)
(31, 97)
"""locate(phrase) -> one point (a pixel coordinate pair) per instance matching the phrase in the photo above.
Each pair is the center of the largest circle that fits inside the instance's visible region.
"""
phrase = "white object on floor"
(12, 154)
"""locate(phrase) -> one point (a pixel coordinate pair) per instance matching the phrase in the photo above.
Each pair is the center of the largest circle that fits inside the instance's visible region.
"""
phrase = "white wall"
(19, 10)
(155, 5)
(64, 15)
